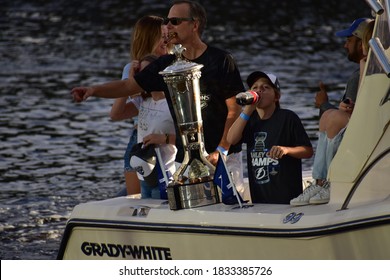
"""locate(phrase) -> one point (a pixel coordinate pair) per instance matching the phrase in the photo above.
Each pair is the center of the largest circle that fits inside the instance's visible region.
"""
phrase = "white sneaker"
(304, 198)
(322, 197)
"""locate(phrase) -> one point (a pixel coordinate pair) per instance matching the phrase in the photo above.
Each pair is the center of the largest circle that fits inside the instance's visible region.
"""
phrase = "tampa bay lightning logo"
(292, 218)
(260, 173)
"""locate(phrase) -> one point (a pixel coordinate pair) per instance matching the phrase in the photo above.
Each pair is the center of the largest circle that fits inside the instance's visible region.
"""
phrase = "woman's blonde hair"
(146, 36)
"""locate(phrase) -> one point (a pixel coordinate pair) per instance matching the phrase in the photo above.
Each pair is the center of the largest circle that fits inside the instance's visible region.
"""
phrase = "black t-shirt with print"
(220, 79)
(274, 180)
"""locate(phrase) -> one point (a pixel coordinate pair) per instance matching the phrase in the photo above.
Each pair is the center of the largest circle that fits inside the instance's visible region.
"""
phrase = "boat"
(355, 224)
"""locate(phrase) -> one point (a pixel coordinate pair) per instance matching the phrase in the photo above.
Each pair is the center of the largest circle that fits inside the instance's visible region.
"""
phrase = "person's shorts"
(126, 158)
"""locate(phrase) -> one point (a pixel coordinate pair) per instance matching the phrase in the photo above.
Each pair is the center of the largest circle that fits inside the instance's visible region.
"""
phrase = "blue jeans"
(132, 142)
(326, 149)
(146, 191)
(122, 192)
(126, 159)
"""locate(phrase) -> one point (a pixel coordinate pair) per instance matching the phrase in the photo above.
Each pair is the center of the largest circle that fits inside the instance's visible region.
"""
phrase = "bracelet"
(222, 150)
(244, 116)
(167, 138)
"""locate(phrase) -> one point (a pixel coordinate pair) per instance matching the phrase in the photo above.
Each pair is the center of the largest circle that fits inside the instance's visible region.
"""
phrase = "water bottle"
(247, 98)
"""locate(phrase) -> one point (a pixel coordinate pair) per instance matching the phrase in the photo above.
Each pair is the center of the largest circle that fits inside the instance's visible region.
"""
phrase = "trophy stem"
(192, 184)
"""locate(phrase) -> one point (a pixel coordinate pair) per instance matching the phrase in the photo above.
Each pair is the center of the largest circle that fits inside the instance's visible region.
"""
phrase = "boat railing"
(380, 54)
(376, 6)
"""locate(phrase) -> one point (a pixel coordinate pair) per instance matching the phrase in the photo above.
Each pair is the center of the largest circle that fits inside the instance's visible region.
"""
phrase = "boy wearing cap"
(276, 142)
(353, 45)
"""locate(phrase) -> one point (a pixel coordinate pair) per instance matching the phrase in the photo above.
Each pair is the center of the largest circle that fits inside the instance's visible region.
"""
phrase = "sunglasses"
(176, 20)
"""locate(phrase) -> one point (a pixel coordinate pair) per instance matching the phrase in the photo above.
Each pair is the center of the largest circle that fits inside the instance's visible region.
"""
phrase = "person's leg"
(155, 193)
(146, 190)
(334, 125)
(122, 192)
(333, 121)
(133, 185)
(131, 178)
(319, 170)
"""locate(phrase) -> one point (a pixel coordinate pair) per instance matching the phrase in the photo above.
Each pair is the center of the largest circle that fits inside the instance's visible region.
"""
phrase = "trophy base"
(192, 195)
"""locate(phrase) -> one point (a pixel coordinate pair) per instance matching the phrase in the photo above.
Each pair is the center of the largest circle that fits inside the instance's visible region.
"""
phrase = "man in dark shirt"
(220, 79)
(219, 83)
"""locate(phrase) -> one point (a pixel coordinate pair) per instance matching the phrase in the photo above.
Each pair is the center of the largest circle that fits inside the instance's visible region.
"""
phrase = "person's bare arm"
(321, 96)
(118, 109)
(235, 132)
(115, 89)
(159, 139)
(122, 111)
(295, 152)
(233, 111)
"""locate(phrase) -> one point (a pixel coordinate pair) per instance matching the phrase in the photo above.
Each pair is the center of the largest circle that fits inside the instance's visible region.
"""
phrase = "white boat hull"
(220, 232)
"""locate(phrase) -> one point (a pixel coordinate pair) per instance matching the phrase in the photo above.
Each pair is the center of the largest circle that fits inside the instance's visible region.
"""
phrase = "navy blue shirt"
(274, 180)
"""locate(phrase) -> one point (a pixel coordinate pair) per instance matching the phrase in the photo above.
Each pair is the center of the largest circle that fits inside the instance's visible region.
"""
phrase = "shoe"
(322, 197)
(304, 198)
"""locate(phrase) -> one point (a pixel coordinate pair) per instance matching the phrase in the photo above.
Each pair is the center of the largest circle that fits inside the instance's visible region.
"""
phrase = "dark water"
(55, 154)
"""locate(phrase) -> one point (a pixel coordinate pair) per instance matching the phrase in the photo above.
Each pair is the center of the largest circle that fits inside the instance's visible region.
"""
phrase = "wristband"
(244, 116)
(167, 138)
(222, 150)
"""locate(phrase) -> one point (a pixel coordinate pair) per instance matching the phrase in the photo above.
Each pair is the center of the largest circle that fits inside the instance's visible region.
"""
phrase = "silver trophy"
(192, 184)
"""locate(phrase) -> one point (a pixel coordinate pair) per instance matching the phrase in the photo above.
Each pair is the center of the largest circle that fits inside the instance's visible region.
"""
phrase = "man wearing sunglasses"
(176, 20)
(219, 83)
